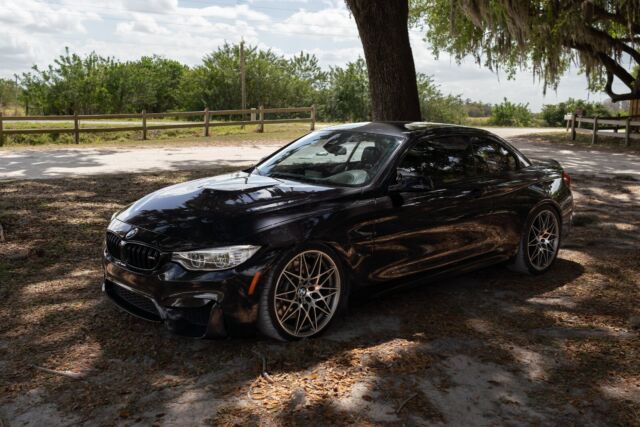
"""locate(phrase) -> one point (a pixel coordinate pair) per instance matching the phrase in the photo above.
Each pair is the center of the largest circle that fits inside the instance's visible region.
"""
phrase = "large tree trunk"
(382, 25)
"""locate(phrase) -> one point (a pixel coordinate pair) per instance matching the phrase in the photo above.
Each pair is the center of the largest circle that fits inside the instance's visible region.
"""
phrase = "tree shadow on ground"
(486, 348)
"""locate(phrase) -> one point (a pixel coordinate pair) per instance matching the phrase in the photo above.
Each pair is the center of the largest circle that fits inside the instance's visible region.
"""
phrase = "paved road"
(38, 164)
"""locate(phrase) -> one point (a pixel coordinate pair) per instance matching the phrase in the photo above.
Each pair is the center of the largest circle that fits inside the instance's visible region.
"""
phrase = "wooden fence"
(257, 118)
(626, 128)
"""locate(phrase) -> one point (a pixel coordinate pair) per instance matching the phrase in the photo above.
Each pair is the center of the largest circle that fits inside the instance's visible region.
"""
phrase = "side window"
(491, 158)
(443, 160)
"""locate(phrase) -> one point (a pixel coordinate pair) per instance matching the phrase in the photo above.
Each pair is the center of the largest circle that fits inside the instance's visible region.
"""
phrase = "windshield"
(332, 157)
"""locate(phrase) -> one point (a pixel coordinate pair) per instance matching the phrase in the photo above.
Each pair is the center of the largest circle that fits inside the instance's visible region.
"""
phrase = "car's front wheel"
(540, 242)
(303, 294)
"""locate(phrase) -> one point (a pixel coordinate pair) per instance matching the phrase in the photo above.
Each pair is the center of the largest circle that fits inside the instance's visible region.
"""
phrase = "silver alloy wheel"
(307, 293)
(543, 240)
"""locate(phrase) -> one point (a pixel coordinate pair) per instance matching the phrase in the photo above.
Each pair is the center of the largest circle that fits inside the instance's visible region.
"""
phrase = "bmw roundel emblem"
(131, 233)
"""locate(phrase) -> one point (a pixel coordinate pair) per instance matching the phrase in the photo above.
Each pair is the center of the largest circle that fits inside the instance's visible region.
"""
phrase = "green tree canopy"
(8, 92)
(348, 93)
(437, 107)
(95, 84)
(545, 36)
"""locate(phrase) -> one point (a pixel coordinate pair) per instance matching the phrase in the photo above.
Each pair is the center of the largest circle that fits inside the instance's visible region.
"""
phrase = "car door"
(440, 227)
(497, 172)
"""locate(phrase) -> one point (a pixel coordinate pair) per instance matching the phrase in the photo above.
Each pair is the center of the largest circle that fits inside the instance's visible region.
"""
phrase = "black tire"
(272, 320)
(529, 260)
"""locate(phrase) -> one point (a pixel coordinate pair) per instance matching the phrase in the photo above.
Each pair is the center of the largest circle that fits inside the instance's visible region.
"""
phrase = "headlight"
(215, 259)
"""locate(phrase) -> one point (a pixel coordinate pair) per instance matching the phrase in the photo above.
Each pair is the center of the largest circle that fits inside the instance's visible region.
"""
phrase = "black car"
(365, 207)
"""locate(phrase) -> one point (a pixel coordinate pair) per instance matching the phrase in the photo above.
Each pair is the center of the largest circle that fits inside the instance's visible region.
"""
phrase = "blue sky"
(36, 31)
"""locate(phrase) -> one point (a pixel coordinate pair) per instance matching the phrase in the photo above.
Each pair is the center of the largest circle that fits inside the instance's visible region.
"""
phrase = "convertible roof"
(400, 128)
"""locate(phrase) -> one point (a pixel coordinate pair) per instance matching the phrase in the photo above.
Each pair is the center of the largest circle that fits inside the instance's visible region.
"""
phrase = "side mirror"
(409, 183)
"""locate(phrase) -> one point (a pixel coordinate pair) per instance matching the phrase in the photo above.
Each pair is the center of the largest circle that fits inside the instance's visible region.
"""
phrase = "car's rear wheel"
(540, 242)
(302, 295)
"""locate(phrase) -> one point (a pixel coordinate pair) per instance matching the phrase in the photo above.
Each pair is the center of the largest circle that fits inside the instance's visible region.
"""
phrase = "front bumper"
(196, 304)
(205, 322)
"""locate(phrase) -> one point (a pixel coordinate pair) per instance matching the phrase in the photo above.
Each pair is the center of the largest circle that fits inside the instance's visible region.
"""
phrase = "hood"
(223, 209)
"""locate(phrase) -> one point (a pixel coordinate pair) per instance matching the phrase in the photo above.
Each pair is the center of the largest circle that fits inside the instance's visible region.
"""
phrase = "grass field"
(494, 346)
(583, 140)
(12, 111)
(218, 135)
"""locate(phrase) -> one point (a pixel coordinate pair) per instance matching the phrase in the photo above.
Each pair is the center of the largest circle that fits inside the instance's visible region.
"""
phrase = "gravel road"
(67, 162)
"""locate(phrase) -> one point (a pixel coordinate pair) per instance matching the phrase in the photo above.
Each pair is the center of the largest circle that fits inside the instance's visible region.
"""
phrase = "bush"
(510, 114)
(477, 108)
(553, 114)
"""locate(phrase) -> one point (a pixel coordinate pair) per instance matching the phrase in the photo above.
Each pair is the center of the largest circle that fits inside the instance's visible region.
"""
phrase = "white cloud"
(16, 53)
(157, 6)
(241, 11)
(339, 56)
(34, 16)
(332, 22)
(141, 24)
(277, 1)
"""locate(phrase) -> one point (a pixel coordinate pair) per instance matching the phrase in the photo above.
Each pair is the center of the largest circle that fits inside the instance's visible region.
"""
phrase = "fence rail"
(604, 126)
(257, 118)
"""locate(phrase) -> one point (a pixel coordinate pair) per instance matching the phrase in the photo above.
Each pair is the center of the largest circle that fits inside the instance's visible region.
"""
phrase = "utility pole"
(243, 77)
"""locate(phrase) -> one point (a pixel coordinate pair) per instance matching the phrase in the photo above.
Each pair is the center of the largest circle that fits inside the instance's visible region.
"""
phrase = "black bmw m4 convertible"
(365, 207)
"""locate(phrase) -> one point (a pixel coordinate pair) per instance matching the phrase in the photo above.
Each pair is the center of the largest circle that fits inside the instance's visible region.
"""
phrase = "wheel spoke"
(288, 275)
(328, 313)
(323, 298)
(325, 280)
(316, 265)
(292, 312)
(315, 317)
(298, 325)
(285, 299)
(293, 291)
(305, 275)
(324, 273)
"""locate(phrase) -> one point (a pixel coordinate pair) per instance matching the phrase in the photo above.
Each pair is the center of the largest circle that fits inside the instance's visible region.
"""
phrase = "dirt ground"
(489, 348)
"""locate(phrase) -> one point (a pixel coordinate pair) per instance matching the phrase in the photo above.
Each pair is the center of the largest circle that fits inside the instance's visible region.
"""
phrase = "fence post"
(144, 125)
(1, 131)
(627, 132)
(573, 127)
(76, 128)
(594, 137)
(207, 120)
(253, 114)
(313, 118)
(260, 128)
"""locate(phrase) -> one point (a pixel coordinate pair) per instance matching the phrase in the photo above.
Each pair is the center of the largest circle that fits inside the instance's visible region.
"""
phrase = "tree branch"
(613, 70)
(615, 97)
(607, 38)
(618, 70)
(602, 14)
